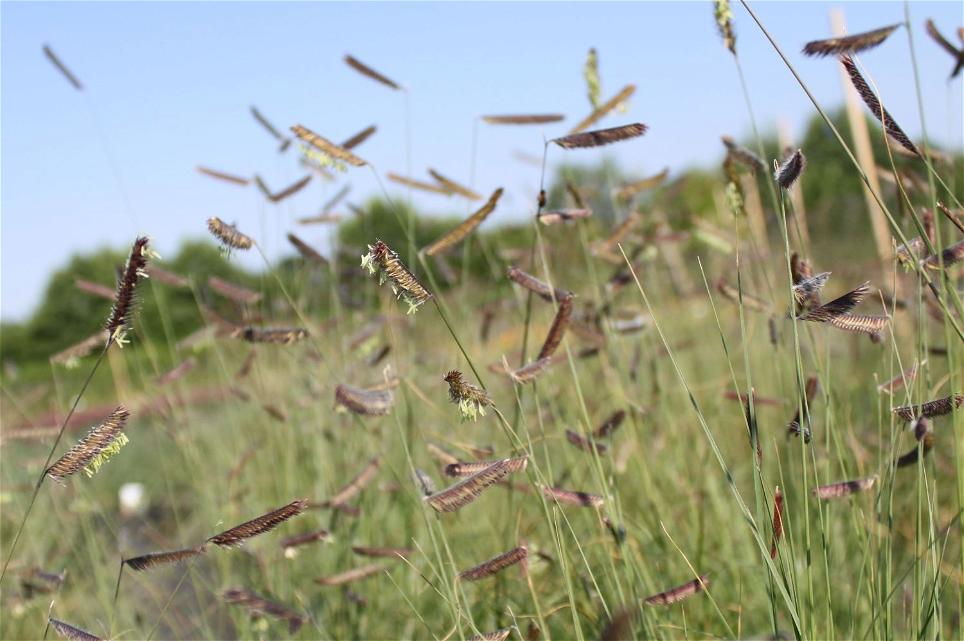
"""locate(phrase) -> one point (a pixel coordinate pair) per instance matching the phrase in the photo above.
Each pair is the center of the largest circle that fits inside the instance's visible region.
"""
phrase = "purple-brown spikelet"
(237, 535)
(307, 251)
(558, 328)
(421, 185)
(601, 137)
(585, 444)
(945, 44)
(610, 425)
(260, 606)
(299, 540)
(531, 371)
(69, 356)
(724, 24)
(790, 169)
(157, 559)
(948, 257)
(523, 119)
(838, 306)
(679, 593)
(742, 154)
(629, 190)
(900, 381)
(557, 216)
(605, 109)
(925, 443)
(168, 278)
(69, 632)
(860, 323)
(234, 292)
(177, 372)
(535, 285)
(733, 294)
(870, 99)
(777, 521)
(457, 235)
(264, 122)
(844, 488)
(807, 290)
(469, 489)
(103, 439)
(571, 497)
(382, 260)
(496, 564)
(220, 175)
(274, 335)
(367, 71)
(356, 574)
(122, 311)
(930, 409)
(364, 402)
(453, 186)
(94, 289)
(461, 469)
(290, 190)
(360, 137)
(356, 485)
(228, 234)
(849, 44)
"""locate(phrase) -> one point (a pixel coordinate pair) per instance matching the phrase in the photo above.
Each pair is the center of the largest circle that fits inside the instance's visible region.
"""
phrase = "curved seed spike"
(496, 564)
(455, 236)
(469, 489)
(265, 523)
(605, 109)
(679, 593)
(601, 137)
(365, 70)
(157, 559)
(849, 44)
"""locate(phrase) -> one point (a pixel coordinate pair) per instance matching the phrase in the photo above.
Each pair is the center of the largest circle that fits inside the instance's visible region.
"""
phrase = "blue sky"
(168, 87)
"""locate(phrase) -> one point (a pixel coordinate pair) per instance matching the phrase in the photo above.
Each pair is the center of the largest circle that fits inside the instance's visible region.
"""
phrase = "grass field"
(664, 401)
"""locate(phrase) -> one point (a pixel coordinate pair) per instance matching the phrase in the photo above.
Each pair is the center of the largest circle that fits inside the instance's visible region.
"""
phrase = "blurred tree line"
(831, 193)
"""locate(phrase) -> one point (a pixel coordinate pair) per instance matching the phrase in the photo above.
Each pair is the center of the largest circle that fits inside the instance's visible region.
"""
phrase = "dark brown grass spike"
(469, 489)
(307, 251)
(356, 485)
(881, 114)
(365, 70)
(535, 285)
(123, 309)
(571, 497)
(70, 632)
(496, 564)
(259, 605)
(777, 521)
(677, 594)
(601, 137)
(157, 559)
(558, 328)
(264, 122)
(844, 488)
(840, 305)
(364, 402)
(930, 409)
(265, 523)
(359, 138)
(457, 235)
(849, 44)
(350, 576)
